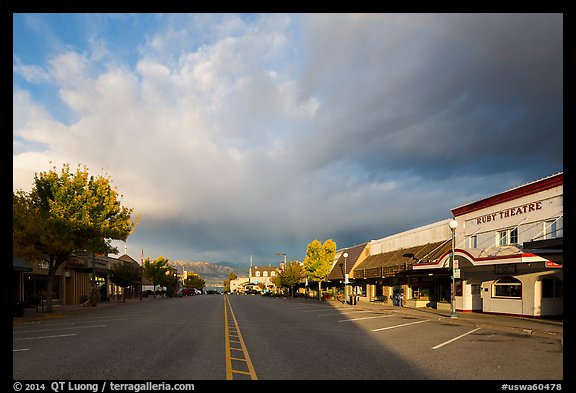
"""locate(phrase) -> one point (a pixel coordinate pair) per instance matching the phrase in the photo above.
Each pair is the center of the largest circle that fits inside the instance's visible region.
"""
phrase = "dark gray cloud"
(451, 90)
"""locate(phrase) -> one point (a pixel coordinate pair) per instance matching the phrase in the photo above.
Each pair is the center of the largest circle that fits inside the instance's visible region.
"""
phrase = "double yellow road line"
(238, 361)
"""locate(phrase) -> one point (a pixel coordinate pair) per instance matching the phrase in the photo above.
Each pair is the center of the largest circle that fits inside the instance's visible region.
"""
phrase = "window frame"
(507, 237)
(550, 229)
(502, 238)
(509, 281)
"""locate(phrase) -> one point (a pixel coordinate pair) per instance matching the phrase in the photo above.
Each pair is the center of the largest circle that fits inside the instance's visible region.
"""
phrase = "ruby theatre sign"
(514, 211)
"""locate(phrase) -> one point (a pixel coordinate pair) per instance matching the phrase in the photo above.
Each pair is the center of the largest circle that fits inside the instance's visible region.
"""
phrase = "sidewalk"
(59, 311)
(552, 328)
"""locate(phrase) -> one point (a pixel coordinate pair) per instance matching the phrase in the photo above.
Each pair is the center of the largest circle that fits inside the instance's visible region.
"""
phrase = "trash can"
(353, 300)
(18, 310)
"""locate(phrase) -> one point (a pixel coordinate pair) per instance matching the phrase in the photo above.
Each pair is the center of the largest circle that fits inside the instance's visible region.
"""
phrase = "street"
(218, 337)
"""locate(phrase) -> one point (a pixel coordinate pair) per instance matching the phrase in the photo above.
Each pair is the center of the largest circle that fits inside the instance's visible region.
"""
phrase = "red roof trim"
(528, 189)
(471, 258)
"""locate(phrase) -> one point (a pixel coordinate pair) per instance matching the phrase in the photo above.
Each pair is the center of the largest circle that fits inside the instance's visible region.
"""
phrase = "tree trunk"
(53, 264)
(49, 286)
(319, 290)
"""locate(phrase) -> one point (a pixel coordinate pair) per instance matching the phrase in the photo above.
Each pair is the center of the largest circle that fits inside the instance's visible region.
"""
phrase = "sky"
(239, 135)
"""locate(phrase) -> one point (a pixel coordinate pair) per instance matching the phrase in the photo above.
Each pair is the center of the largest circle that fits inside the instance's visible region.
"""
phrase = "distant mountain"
(233, 265)
(212, 273)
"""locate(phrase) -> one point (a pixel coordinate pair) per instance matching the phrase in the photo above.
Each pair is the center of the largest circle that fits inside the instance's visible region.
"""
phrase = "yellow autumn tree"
(67, 214)
(318, 261)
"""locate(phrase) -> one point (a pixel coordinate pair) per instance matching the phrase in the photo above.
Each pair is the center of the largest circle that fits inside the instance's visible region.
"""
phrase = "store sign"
(553, 265)
(515, 211)
(507, 268)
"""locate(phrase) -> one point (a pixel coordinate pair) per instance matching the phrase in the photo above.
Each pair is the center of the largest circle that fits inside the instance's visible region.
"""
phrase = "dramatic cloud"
(239, 135)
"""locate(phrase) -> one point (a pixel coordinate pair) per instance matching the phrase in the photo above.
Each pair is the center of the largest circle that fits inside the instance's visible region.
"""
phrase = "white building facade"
(509, 251)
(262, 276)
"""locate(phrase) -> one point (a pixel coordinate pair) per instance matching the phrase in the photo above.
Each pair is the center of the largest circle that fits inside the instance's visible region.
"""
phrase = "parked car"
(252, 292)
(188, 291)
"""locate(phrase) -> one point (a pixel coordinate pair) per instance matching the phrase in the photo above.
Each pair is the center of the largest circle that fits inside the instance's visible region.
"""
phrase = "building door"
(475, 290)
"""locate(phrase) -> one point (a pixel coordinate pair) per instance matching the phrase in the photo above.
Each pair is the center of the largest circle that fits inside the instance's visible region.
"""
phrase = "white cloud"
(31, 73)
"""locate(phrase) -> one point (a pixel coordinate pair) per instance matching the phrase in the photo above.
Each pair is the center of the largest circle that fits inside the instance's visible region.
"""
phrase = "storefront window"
(507, 287)
(36, 286)
(423, 288)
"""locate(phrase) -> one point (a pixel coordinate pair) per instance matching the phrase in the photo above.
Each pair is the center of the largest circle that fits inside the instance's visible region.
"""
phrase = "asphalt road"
(218, 337)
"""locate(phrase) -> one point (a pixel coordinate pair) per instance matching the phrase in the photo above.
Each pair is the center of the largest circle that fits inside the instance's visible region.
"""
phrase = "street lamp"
(345, 255)
(284, 254)
(453, 225)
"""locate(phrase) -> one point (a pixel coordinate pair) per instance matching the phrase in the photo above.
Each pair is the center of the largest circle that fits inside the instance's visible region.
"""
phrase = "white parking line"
(62, 328)
(34, 338)
(21, 350)
(102, 319)
(396, 326)
(342, 312)
(359, 319)
(455, 338)
(316, 308)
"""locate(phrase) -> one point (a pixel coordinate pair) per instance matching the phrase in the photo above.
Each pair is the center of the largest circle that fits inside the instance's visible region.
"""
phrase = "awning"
(354, 254)
(391, 263)
(551, 249)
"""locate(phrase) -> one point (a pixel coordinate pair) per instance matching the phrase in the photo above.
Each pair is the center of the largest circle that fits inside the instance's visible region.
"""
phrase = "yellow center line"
(234, 325)
(227, 343)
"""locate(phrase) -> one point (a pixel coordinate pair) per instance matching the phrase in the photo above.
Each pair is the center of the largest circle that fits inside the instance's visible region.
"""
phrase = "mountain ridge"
(209, 271)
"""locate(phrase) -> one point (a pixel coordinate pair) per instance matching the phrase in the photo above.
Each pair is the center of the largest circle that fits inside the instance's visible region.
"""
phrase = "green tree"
(277, 280)
(124, 275)
(170, 281)
(318, 261)
(65, 215)
(156, 271)
(194, 280)
(291, 275)
(231, 276)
